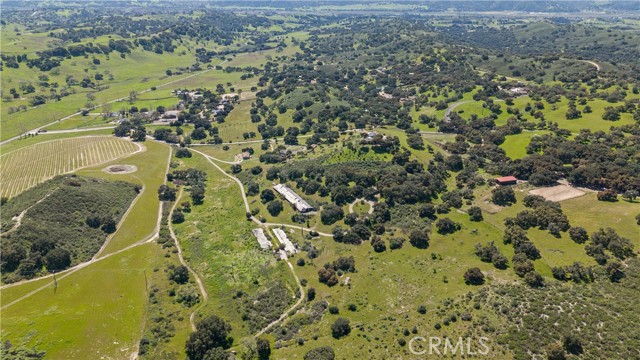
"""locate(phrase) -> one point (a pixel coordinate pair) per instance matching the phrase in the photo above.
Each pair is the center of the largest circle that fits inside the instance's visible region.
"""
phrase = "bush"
(578, 234)
(275, 207)
(572, 344)
(211, 333)
(378, 244)
(57, 259)
(179, 274)
(419, 239)
(608, 195)
(311, 294)
(503, 195)
(321, 353)
(330, 214)
(474, 276)
(475, 213)
(422, 309)
(334, 310)
(177, 217)
(447, 226)
(183, 153)
(340, 328)
(396, 243)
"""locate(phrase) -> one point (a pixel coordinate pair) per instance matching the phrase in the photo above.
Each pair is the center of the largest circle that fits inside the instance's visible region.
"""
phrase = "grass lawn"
(218, 244)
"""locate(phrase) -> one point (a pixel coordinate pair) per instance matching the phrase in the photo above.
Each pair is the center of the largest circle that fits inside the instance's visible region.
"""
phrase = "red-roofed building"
(506, 180)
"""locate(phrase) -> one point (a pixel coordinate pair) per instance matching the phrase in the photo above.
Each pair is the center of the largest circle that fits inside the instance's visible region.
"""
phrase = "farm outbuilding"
(262, 238)
(507, 180)
(299, 203)
(284, 240)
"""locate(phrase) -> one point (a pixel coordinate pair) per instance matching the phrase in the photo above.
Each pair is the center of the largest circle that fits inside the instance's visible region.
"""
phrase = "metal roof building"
(299, 203)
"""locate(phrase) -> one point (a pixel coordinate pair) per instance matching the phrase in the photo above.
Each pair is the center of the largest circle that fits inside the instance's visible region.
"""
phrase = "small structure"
(299, 203)
(507, 180)
(245, 155)
(284, 240)
(262, 238)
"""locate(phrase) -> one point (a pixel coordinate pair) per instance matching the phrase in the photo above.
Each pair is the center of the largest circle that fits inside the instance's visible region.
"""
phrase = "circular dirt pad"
(120, 169)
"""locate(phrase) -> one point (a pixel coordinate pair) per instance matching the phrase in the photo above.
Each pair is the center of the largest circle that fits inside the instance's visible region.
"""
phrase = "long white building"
(284, 240)
(299, 203)
(262, 238)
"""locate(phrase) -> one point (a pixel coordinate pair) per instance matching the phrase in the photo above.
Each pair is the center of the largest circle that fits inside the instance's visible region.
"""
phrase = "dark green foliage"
(57, 259)
(608, 195)
(183, 153)
(555, 352)
(311, 294)
(447, 226)
(328, 276)
(166, 193)
(614, 271)
(340, 328)
(211, 333)
(275, 207)
(320, 353)
(59, 221)
(475, 213)
(578, 234)
(263, 348)
(177, 217)
(474, 276)
(608, 239)
(179, 274)
(331, 213)
(346, 264)
(419, 239)
(575, 272)
(378, 244)
(572, 344)
(415, 141)
(491, 254)
(396, 243)
(267, 195)
(503, 195)
(534, 279)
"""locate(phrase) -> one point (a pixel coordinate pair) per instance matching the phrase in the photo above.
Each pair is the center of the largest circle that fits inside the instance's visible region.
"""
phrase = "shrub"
(330, 214)
(183, 153)
(607, 195)
(474, 276)
(578, 234)
(503, 195)
(179, 274)
(396, 243)
(419, 239)
(340, 328)
(447, 226)
(320, 353)
(177, 217)
(275, 207)
(211, 333)
(475, 213)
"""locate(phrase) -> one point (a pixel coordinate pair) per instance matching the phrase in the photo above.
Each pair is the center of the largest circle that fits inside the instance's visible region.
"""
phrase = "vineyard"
(26, 167)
